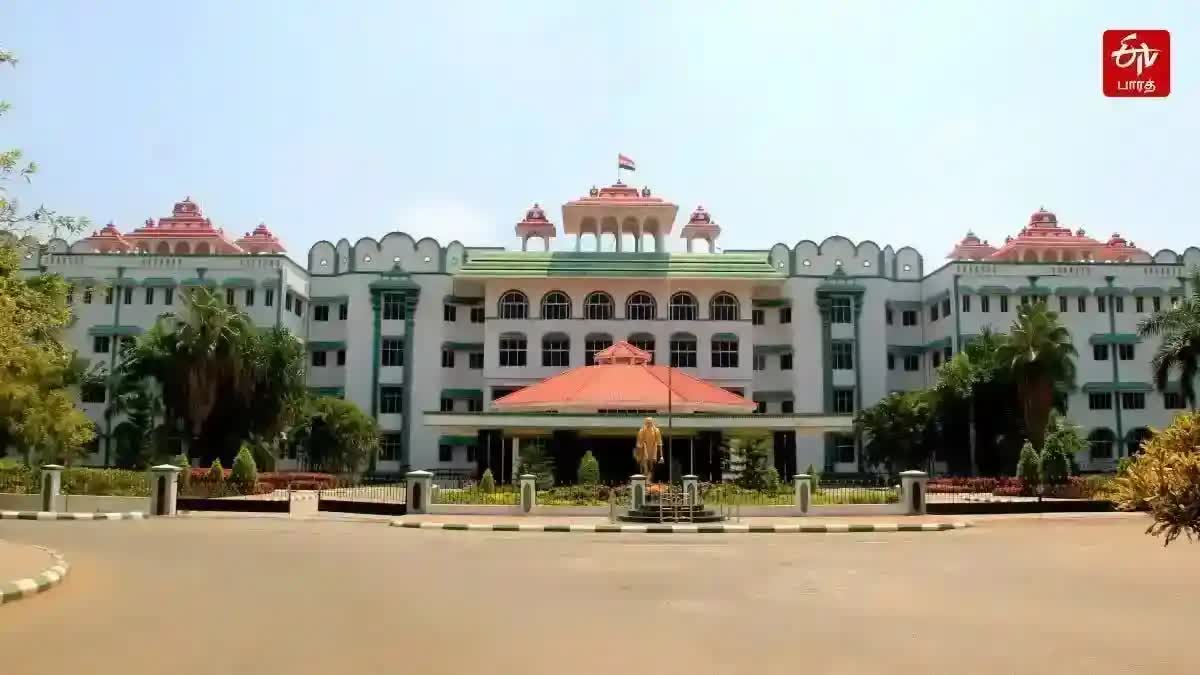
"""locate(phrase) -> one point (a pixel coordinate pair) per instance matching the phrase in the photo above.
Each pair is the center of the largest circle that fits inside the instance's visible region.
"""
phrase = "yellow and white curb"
(666, 528)
(55, 515)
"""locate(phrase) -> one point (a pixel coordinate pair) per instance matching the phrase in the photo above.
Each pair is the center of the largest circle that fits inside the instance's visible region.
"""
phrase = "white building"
(425, 335)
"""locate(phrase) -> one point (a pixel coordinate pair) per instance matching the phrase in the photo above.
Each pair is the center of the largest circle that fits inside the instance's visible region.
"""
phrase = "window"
(909, 317)
(169, 296)
(1133, 400)
(684, 307)
(1118, 304)
(229, 296)
(912, 363)
(1081, 304)
(840, 310)
(341, 357)
(249, 297)
(475, 360)
(512, 351)
(268, 297)
(87, 295)
(785, 315)
(843, 448)
(787, 407)
(318, 359)
(1100, 401)
(343, 311)
(149, 296)
(936, 357)
(891, 361)
(1156, 303)
(785, 361)
(640, 306)
(391, 400)
(392, 352)
(947, 353)
(92, 392)
(108, 296)
(598, 306)
(320, 312)
(556, 305)
(842, 355)
(946, 307)
(757, 317)
(1139, 304)
(985, 303)
(887, 316)
(471, 454)
(1024, 299)
(445, 453)
(593, 344)
(513, 305)
(393, 306)
(760, 361)
(1100, 444)
(70, 295)
(1062, 304)
(966, 303)
(1174, 300)
(933, 312)
(1125, 352)
(474, 405)
(476, 315)
(299, 307)
(127, 295)
(101, 344)
(449, 313)
(447, 358)
(446, 405)
(391, 447)
(760, 407)
(1100, 352)
(723, 307)
(683, 351)
(843, 401)
(1004, 303)
(644, 342)
(556, 351)
(1100, 304)
(1173, 400)
(724, 353)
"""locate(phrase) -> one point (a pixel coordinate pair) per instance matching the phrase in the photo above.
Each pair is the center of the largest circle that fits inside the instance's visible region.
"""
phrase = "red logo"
(1137, 63)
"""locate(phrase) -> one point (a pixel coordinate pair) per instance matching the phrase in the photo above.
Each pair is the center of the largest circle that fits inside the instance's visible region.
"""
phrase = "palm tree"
(961, 377)
(1179, 327)
(1041, 358)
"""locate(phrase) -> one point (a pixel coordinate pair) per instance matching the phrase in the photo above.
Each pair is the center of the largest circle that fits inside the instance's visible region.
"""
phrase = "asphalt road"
(227, 595)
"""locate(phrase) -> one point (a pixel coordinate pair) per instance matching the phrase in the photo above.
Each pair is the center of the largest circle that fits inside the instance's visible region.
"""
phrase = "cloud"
(447, 220)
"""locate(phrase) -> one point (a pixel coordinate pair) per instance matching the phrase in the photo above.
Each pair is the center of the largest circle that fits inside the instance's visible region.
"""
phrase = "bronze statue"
(648, 451)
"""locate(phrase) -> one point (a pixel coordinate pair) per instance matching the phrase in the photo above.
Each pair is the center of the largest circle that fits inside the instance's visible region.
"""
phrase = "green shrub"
(535, 460)
(216, 473)
(771, 480)
(105, 482)
(1056, 466)
(263, 459)
(487, 482)
(1029, 467)
(589, 469)
(185, 475)
(755, 454)
(245, 471)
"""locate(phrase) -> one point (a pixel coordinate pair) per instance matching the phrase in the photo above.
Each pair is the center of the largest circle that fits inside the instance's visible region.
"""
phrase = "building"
(427, 336)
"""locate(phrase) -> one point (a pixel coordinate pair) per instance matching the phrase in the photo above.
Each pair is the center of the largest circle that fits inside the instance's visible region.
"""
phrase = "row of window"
(320, 359)
(321, 312)
(786, 407)
(1124, 352)
(942, 309)
(450, 314)
(639, 306)
(785, 361)
(556, 351)
(758, 317)
(1133, 400)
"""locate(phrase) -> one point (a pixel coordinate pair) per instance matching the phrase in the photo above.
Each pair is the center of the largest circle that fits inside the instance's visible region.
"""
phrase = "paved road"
(225, 595)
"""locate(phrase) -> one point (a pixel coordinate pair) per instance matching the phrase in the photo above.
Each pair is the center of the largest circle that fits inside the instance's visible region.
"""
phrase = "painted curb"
(54, 515)
(834, 528)
(48, 578)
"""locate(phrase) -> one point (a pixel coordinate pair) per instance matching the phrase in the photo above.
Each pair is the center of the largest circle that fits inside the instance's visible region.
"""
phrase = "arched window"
(598, 305)
(684, 307)
(724, 350)
(1135, 438)
(723, 307)
(683, 350)
(182, 248)
(163, 248)
(513, 305)
(556, 350)
(1101, 443)
(645, 342)
(592, 343)
(640, 306)
(512, 350)
(202, 248)
(556, 305)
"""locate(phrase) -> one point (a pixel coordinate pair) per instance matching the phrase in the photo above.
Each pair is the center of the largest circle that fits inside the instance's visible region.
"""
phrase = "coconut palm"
(1041, 358)
(962, 376)
(1179, 328)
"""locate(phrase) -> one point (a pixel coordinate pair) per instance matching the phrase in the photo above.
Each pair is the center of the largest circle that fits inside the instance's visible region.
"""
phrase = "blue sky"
(904, 123)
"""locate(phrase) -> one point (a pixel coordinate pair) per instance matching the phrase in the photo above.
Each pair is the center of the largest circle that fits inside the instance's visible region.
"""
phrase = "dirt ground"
(274, 595)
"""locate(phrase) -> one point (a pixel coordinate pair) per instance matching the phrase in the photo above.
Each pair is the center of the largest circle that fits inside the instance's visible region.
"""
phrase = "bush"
(1165, 478)
(1056, 466)
(589, 469)
(185, 476)
(535, 460)
(216, 473)
(105, 482)
(298, 480)
(753, 474)
(1029, 467)
(245, 471)
(771, 480)
(487, 482)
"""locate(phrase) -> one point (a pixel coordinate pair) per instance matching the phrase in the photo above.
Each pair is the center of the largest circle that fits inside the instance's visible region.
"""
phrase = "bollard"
(691, 490)
(51, 486)
(420, 487)
(912, 492)
(528, 492)
(164, 488)
(803, 483)
(637, 491)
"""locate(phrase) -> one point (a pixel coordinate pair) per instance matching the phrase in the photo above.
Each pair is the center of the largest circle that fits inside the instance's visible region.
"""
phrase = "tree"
(1029, 467)
(1041, 358)
(245, 473)
(1165, 478)
(334, 435)
(1063, 441)
(897, 430)
(535, 460)
(589, 469)
(755, 473)
(1179, 328)
(965, 375)
(138, 440)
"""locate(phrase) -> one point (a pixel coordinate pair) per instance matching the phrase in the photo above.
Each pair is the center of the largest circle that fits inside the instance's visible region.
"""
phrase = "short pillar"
(637, 491)
(420, 489)
(803, 484)
(164, 488)
(691, 489)
(528, 492)
(51, 486)
(912, 492)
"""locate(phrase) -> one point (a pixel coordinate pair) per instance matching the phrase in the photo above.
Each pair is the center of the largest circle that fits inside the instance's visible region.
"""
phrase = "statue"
(649, 448)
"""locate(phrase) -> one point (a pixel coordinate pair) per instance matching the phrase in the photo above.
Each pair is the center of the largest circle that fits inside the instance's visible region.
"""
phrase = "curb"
(48, 578)
(688, 529)
(54, 515)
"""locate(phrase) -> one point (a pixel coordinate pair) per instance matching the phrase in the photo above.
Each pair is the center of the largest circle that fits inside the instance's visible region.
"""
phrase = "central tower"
(620, 209)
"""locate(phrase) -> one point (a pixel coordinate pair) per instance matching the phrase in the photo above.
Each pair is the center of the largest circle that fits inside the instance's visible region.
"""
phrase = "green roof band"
(238, 282)
(462, 394)
(940, 343)
(1114, 339)
(111, 330)
(589, 264)
(1032, 290)
(461, 300)
(772, 349)
(995, 290)
(1157, 290)
(1105, 291)
(121, 281)
(328, 345)
(198, 282)
(771, 302)
(1119, 387)
(159, 282)
(725, 336)
(1074, 291)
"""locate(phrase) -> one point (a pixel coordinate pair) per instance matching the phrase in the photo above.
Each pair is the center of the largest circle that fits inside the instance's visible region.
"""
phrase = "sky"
(902, 123)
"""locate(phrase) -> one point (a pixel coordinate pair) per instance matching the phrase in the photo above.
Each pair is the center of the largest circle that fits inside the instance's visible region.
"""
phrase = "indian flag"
(626, 163)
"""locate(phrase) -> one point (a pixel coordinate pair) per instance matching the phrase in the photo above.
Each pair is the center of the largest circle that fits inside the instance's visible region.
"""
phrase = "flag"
(624, 162)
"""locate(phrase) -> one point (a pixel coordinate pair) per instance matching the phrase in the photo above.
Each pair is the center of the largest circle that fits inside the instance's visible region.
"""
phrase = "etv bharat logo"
(1137, 63)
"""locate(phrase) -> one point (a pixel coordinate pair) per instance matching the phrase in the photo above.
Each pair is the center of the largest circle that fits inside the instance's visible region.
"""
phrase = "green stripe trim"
(524, 265)
(940, 343)
(330, 298)
(159, 282)
(461, 300)
(995, 290)
(196, 281)
(121, 281)
(1032, 290)
(725, 336)
(1073, 291)
(771, 302)
(81, 281)
(469, 441)
(1103, 387)
(773, 396)
(1154, 290)
(109, 329)
(462, 394)
(327, 345)
(1111, 291)
(239, 282)
(463, 346)
(1114, 339)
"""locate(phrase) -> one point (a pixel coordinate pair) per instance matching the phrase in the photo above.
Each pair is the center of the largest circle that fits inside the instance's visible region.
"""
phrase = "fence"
(958, 496)
(378, 495)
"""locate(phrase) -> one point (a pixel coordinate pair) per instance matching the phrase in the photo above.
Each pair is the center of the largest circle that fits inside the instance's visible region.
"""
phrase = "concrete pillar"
(691, 489)
(546, 244)
(164, 488)
(516, 460)
(524, 244)
(620, 231)
(528, 492)
(689, 244)
(579, 241)
(912, 492)
(51, 485)
(659, 243)
(420, 489)
(637, 491)
(803, 483)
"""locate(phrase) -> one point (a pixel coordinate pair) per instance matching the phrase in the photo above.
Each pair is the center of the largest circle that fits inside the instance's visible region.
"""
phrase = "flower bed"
(1076, 487)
